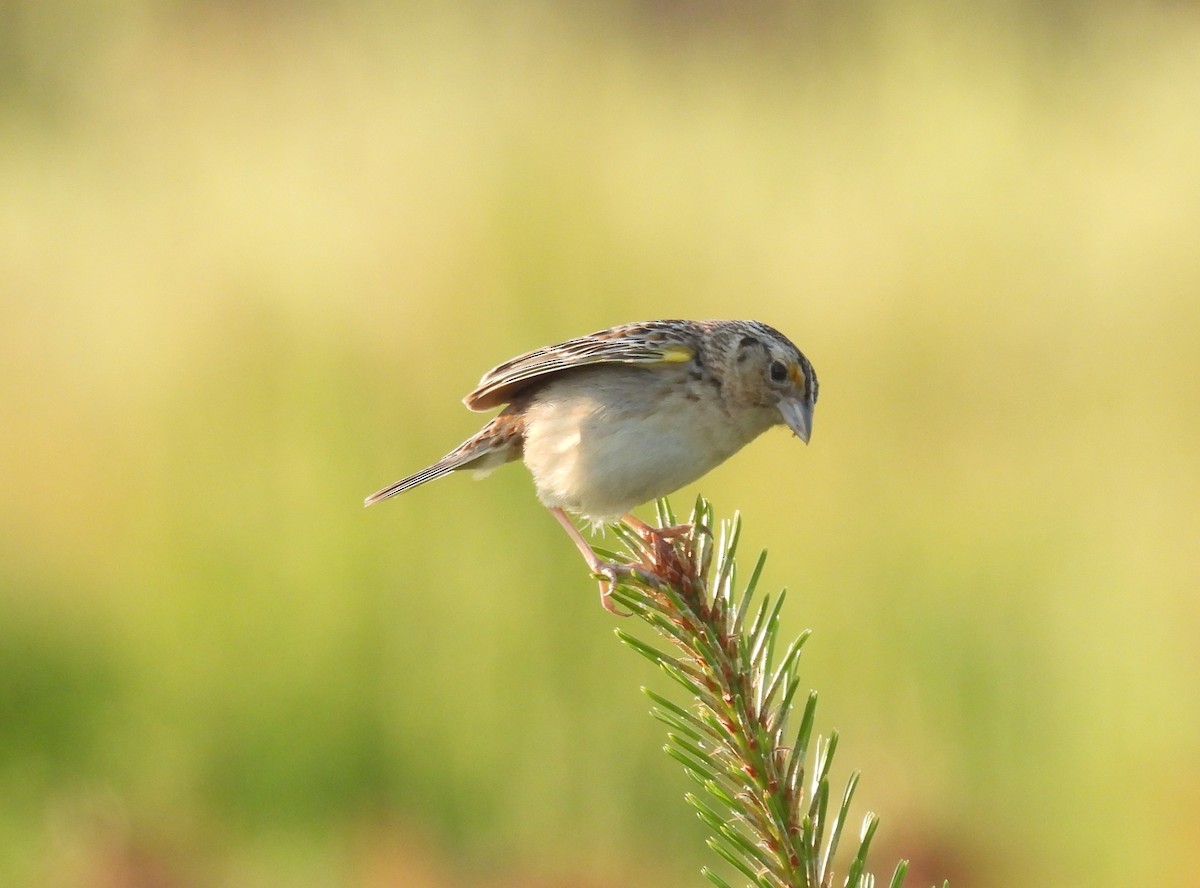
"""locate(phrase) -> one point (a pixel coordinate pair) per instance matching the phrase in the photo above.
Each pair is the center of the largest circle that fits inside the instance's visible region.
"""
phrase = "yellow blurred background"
(251, 256)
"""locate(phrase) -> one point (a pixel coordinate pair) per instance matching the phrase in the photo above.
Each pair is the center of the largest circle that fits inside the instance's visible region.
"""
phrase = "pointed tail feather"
(495, 444)
(443, 466)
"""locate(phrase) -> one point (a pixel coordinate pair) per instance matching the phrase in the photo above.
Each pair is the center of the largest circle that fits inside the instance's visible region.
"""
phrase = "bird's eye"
(779, 371)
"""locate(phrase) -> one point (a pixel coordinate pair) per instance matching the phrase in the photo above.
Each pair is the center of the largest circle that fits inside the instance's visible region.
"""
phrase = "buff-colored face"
(768, 371)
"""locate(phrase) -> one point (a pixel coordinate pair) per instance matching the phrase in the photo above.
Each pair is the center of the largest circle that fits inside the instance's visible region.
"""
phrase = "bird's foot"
(607, 572)
(650, 533)
(674, 532)
(609, 575)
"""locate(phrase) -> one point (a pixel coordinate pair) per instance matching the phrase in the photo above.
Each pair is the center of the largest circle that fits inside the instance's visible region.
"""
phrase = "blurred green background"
(251, 256)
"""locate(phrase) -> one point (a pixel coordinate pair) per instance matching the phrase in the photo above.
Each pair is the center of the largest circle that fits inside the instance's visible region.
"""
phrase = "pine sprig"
(768, 806)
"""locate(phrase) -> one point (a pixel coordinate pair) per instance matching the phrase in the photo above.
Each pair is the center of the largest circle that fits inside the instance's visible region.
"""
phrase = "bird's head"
(766, 371)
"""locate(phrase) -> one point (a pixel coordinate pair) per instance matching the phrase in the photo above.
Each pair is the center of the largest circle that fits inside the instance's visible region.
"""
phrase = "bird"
(619, 417)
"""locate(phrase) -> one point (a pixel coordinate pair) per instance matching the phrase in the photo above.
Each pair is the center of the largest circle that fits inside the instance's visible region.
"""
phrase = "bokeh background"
(251, 256)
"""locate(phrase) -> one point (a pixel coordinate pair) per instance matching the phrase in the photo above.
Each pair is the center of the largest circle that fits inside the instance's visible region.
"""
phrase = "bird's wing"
(652, 342)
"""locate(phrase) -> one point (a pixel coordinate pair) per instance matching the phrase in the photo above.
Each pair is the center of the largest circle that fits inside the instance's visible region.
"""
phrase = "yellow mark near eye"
(796, 376)
(677, 354)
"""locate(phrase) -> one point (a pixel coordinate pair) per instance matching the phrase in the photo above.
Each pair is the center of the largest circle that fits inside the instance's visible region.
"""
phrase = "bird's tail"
(495, 444)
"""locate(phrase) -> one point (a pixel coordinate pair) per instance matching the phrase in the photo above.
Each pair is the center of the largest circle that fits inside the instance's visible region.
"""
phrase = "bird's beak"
(798, 415)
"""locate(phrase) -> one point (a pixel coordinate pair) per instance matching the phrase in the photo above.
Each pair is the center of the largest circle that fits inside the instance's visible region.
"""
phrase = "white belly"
(600, 444)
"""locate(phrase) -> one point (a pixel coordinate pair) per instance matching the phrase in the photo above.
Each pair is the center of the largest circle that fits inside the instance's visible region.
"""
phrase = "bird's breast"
(601, 442)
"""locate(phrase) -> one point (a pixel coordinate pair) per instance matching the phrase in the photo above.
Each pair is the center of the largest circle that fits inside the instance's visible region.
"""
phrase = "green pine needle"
(769, 821)
(714, 878)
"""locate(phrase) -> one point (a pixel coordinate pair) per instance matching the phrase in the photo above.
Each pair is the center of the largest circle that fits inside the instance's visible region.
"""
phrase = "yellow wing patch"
(677, 354)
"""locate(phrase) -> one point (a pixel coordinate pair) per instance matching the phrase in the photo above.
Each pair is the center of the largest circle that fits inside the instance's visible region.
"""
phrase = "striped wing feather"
(653, 342)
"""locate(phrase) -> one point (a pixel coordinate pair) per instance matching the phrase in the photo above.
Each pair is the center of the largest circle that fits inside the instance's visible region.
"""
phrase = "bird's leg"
(597, 564)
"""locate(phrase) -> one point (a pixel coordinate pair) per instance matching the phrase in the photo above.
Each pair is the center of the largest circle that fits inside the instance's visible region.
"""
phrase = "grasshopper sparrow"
(613, 419)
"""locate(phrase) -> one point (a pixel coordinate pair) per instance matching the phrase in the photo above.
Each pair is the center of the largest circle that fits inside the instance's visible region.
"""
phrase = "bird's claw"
(609, 574)
(672, 532)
